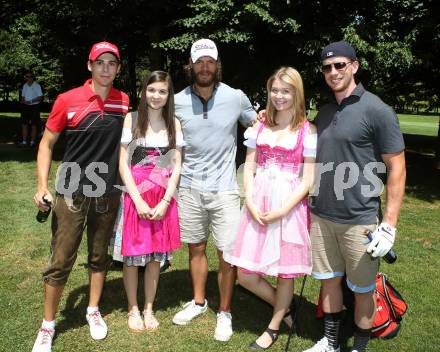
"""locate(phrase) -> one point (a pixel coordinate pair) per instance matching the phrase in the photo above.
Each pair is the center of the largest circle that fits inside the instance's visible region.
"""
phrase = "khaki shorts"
(339, 249)
(68, 223)
(198, 210)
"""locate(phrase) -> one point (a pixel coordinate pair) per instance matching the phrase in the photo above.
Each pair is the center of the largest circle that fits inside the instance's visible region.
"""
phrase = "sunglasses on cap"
(339, 66)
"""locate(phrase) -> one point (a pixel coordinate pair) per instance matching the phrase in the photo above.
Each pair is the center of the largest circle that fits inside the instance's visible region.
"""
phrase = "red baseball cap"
(101, 48)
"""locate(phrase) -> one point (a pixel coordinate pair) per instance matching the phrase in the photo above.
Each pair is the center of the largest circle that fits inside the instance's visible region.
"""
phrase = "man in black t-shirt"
(360, 145)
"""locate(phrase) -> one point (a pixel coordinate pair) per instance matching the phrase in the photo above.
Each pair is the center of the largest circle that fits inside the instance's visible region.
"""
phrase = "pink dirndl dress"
(281, 249)
(142, 237)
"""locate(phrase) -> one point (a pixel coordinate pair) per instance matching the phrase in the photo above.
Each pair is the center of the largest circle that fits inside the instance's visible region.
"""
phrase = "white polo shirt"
(31, 92)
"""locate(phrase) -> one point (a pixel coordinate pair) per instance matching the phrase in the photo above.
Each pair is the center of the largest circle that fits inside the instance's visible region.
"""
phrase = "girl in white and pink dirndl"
(281, 248)
(149, 164)
(273, 234)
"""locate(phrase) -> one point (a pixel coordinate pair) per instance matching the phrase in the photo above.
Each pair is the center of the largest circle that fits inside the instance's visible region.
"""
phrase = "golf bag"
(390, 307)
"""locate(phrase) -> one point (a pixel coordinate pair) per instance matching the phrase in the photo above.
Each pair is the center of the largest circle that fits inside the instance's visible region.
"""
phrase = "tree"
(249, 34)
(24, 55)
(257, 36)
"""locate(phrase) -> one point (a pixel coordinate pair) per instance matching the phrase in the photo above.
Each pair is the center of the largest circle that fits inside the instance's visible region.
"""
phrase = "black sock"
(331, 328)
(200, 304)
(361, 338)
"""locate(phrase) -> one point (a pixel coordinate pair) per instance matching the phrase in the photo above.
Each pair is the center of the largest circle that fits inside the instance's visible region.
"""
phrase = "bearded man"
(208, 111)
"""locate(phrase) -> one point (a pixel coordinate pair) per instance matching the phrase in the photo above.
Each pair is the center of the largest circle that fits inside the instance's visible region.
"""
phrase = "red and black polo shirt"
(93, 129)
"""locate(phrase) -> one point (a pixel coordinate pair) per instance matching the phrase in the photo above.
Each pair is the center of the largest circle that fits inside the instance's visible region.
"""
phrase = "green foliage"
(386, 34)
(398, 42)
(228, 21)
(27, 53)
(263, 11)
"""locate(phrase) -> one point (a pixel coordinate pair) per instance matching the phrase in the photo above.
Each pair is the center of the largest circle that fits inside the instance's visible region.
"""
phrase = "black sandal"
(273, 334)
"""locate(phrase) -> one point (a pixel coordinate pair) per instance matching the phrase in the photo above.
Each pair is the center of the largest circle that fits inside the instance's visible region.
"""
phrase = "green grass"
(419, 124)
(24, 250)
(422, 125)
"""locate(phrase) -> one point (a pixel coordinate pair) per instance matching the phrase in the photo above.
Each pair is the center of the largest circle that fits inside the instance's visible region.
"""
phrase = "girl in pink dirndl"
(150, 162)
(273, 235)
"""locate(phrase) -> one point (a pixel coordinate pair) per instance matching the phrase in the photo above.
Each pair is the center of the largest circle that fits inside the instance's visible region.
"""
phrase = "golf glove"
(383, 240)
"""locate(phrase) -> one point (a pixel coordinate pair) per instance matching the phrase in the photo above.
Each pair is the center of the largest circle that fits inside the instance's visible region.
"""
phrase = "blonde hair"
(292, 77)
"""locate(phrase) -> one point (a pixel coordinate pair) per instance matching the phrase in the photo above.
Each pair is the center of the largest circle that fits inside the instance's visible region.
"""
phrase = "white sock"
(92, 309)
(48, 324)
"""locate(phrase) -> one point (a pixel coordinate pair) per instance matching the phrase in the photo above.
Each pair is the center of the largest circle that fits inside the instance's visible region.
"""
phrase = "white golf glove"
(383, 240)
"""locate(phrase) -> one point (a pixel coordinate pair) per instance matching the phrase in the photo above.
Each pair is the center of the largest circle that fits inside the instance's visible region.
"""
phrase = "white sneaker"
(223, 330)
(189, 312)
(43, 342)
(98, 327)
(322, 346)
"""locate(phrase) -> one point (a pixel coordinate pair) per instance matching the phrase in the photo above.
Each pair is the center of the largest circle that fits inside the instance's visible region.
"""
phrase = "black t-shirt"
(350, 173)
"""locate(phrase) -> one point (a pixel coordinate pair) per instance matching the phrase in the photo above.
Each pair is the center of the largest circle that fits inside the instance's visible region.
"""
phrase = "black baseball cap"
(341, 48)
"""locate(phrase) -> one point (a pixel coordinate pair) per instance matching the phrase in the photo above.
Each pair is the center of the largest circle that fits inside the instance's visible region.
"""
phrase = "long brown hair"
(167, 110)
(292, 77)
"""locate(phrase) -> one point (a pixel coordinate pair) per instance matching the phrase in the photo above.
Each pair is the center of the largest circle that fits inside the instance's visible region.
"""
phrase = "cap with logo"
(203, 47)
(341, 48)
(101, 48)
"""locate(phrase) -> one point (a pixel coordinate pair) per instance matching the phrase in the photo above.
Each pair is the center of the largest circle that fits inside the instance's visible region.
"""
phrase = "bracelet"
(166, 201)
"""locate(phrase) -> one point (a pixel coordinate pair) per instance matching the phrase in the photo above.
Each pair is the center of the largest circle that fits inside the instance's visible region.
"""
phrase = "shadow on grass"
(174, 289)
(422, 180)
(250, 313)
(10, 128)
(11, 151)
(10, 136)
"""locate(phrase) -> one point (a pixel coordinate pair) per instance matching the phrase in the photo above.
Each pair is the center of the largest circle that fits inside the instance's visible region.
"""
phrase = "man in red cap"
(91, 117)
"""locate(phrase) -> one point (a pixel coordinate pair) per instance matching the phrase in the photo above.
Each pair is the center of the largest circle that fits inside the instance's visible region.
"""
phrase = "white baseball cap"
(203, 47)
